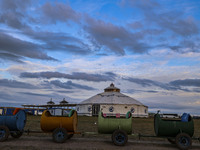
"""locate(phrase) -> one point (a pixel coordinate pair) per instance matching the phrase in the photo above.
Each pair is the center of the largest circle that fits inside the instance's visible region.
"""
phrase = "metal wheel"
(60, 135)
(4, 133)
(172, 141)
(183, 141)
(16, 134)
(119, 137)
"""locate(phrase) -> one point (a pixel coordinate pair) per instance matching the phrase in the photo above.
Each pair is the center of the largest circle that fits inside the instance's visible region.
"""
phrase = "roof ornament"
(112, 88)
(50, 102)
(63, 101)
(112, 85)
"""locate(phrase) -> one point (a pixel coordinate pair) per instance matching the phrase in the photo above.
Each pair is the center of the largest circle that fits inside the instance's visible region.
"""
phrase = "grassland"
(89, 124)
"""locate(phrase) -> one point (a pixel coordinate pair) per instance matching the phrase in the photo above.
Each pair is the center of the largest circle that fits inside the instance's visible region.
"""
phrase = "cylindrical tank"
(15, 122)
(49, 123)
(109, 125)
(171, 128)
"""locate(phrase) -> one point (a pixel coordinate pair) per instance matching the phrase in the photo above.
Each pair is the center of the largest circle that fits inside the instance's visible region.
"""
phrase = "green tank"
(171, 128)
(107, 125)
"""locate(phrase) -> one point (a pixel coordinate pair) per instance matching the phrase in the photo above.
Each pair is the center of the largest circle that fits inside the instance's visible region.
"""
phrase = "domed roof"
(50, 102)
(63, 101)
(111, 97)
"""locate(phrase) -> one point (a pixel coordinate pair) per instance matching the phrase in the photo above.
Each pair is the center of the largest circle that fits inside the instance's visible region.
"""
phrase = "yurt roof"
(111, 97)
(50, 102)
(63, 101)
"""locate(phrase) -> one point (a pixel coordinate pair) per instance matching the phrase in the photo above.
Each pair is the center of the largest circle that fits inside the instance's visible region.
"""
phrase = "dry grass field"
(143, 126)
(89, 124)
(35, 141)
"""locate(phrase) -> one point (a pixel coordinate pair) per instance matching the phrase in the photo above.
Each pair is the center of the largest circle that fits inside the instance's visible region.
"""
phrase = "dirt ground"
(84, 143)
(43, 141)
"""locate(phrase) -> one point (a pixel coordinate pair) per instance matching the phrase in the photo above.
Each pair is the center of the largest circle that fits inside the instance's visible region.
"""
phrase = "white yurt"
(112, 102)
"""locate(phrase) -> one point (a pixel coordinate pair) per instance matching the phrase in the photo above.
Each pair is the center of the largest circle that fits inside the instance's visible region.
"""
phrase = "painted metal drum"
(108, 125)
(49, 123)
(171, 128)
(15, 122)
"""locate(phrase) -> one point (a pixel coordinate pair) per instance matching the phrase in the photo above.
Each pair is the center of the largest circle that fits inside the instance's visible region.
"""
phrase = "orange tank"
(50, 122)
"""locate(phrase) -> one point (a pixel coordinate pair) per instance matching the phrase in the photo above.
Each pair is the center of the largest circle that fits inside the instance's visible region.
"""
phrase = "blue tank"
(15, 122)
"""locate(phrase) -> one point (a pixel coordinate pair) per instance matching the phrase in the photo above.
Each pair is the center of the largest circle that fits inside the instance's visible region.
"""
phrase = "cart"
(12, 124)
(60, 122)
(119, 127)
(177, 131)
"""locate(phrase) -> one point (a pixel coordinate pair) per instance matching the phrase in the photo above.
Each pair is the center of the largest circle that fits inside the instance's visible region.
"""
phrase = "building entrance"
(95, 109)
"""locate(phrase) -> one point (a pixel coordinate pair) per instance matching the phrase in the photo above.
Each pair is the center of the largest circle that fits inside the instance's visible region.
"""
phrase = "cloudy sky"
(73, 49)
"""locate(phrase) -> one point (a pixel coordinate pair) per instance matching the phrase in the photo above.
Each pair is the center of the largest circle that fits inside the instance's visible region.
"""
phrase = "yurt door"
(95, 109)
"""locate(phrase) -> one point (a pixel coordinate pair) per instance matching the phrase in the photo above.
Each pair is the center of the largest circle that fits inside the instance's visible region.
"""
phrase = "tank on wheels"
(119, 127)
(177, 132)
(62, 125)
(12, 125)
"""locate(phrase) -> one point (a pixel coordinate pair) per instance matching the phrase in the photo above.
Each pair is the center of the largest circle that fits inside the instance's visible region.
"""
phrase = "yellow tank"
(50, 122)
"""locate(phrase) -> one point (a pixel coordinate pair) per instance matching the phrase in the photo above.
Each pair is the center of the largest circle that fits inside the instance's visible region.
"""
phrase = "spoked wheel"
(4, 133)
(172, 141)
(183, 141)
(16, 134)
(60, 135)
(119, 137)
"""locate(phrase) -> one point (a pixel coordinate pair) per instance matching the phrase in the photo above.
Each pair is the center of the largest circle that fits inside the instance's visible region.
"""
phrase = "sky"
(74, 49)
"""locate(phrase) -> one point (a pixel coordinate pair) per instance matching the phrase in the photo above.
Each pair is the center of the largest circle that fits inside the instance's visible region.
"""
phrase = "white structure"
(112, 102)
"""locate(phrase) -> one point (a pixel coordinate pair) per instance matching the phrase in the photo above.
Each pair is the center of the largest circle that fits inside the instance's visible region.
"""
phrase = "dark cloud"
(12, 20)
(145, 5)
(180, 26)
(109, 37)
(60, 42)
(70, 85)
(11, 57)
(16, 84)
(62, 91)
(186, 46)
(54, 12)
(148, 83)
(105, 38)
(32, 94)
(172, 20)
(183, 27)
(10, 5)
(20, 48)
(143, 35)
(143, 82)
(152, 91)
(139, 91)
(135, 25)
(174, 24)
(186, 82)
(108, 76)
(196, 90)
(171, 86)
(13, 13)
